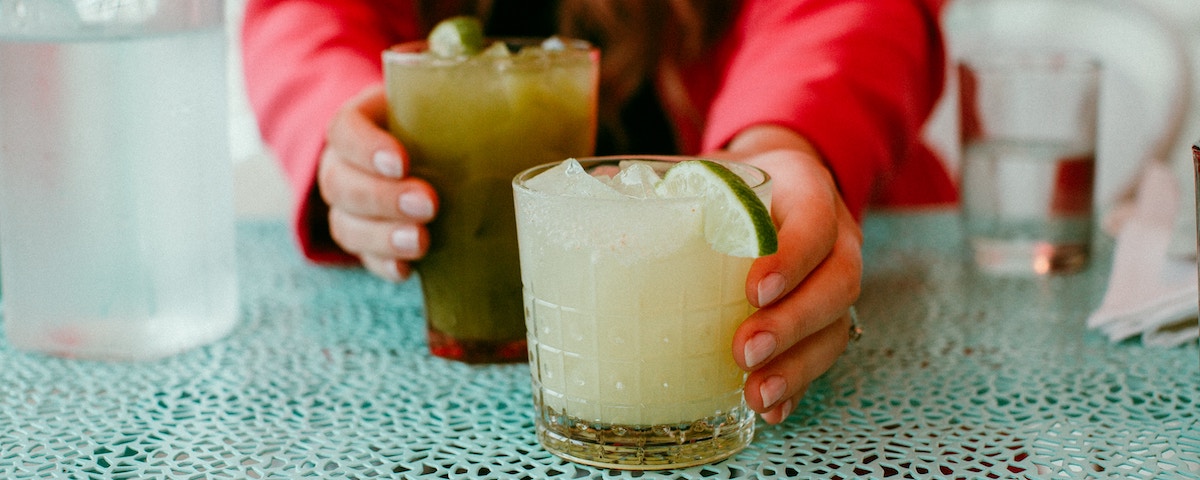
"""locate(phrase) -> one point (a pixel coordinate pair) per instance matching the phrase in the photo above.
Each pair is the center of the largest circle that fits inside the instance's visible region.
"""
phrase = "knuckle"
(326, 176)
(337, 228)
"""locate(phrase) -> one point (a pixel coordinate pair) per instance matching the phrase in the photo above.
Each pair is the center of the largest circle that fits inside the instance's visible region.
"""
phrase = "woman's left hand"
(805, 290)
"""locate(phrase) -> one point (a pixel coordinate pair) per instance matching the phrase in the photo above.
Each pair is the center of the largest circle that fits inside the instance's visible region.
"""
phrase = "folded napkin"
(1151, 292)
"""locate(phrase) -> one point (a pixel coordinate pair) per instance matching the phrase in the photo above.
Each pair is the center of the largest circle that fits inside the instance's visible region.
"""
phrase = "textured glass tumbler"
(631, 317)
(1028, 160)
(468, 127)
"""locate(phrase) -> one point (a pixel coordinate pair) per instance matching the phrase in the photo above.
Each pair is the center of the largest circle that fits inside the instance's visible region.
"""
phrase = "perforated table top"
(958, 376)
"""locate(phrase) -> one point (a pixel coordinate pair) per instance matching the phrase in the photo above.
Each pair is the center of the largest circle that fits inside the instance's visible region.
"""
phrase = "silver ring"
(856, 331)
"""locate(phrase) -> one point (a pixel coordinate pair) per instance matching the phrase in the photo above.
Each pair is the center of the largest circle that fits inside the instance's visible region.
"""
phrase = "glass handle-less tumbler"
(631, 320)
(116, 188)
(1029, 154)
(469, 126)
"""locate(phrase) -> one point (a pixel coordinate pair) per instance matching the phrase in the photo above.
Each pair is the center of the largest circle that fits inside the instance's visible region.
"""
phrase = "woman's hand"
(376, 211)
(803, 291)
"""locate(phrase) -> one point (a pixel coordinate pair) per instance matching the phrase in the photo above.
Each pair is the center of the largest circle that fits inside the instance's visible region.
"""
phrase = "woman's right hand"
(377, 212)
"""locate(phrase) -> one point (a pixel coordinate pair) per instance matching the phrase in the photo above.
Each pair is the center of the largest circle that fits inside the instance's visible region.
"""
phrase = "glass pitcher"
(116, 191)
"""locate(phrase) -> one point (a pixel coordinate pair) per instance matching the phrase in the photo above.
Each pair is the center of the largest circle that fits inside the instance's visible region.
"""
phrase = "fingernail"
(388, 164)
(772, 390)
(416, 206)
(758, 348)
(769, 288)
(783, 411)
(392, 272)
(406, 240)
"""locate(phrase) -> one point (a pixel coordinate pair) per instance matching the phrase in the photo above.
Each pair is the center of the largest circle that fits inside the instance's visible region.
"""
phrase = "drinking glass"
(631, 317)
(1028, 124)
(469, 127)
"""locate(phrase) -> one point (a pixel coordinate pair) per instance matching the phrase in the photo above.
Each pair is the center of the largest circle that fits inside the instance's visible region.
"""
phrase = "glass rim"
(589, 163)
(415, 49)
(1024, 61)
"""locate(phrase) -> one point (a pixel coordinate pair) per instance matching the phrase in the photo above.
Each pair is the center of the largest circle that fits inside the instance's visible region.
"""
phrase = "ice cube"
(497, 50)
(554, 44)
(636, 180)
(501, 58)
(570, 178)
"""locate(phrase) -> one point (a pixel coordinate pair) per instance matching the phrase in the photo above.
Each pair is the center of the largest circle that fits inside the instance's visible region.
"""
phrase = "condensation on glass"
(116, 189)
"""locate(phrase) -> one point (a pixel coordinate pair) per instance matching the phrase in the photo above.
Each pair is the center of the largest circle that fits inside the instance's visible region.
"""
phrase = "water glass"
(1028, 123)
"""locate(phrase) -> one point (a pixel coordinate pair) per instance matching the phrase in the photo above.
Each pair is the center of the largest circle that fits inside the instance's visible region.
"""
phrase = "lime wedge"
(736, 222)
(456, 37)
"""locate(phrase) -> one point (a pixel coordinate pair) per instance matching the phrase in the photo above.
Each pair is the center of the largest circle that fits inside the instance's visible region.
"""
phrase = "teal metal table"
(327, 376)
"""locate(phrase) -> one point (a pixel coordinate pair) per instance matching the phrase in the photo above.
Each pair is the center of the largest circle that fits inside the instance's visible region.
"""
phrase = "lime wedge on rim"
(736, 222)
(456, 37)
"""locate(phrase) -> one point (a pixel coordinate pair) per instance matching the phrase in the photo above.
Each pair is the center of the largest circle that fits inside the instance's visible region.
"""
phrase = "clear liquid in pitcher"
(116, 214)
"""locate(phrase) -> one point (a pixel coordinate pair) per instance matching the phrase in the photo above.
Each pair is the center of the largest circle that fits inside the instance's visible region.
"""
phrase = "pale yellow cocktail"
(631, 316)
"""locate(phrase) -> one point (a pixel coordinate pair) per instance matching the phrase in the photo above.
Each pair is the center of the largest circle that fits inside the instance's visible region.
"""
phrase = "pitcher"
(116, 197)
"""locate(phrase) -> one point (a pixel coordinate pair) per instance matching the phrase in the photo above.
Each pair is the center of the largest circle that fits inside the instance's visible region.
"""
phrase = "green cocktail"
(470, 123)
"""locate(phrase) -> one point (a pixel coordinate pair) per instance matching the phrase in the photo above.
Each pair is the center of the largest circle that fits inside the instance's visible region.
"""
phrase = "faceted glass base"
(654, 447)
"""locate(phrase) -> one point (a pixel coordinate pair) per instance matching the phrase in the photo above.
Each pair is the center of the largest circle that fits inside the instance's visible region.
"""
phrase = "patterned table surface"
(959, 376)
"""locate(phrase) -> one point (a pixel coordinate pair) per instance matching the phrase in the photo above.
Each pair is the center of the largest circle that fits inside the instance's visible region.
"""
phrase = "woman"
(826, 95)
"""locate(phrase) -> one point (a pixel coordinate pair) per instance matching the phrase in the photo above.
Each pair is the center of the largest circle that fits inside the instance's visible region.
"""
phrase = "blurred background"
(1150, 94)
(258, 183)
(1149, 103)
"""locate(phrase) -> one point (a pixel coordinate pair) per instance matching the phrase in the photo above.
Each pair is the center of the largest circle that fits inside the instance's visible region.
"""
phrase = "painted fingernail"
(772, 390)
(758, 348)
(406, 240)
(786, 410)
(388, 164)
(769, 288)
(416, 206)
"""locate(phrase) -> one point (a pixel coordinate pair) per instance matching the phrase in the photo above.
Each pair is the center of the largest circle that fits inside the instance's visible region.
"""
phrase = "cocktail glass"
(469, 126)
(631, 317)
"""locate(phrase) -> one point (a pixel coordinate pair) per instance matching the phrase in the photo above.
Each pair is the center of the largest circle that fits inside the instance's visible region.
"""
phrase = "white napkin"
(1150, 293)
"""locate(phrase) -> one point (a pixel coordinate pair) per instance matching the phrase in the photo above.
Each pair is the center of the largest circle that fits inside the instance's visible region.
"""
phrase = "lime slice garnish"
(736, 222)
(456, 37)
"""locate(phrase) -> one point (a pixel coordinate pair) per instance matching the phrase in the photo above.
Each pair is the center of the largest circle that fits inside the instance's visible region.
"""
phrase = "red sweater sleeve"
(302, 60)
(858, 78)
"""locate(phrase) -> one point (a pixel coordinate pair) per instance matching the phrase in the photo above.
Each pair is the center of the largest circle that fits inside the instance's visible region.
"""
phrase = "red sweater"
(858, 78)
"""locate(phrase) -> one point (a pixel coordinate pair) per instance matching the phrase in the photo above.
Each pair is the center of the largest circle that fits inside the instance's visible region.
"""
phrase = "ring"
(856, 331)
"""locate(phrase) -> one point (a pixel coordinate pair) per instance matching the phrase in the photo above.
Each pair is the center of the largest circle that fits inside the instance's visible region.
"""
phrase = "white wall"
(1184, 16)
(244, 133)
(259, 189)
